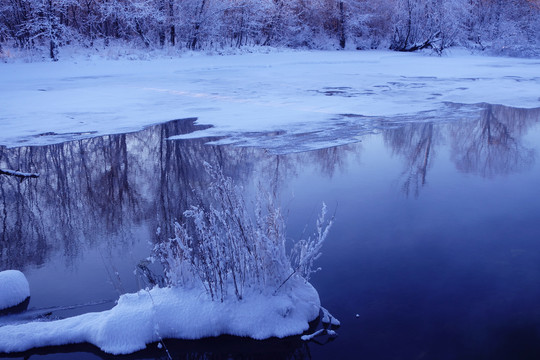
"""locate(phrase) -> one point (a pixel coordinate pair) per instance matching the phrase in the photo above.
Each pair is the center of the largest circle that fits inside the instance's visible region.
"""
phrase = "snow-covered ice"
(14, 288)
(295, 92)
(151, 315)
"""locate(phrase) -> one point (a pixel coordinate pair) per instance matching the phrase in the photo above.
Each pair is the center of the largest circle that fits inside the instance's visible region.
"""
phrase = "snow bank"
(298, 91)
(14, 288)
(148, 316)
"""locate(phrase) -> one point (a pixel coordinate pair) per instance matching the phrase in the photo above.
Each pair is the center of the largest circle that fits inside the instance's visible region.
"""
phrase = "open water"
(434, 254)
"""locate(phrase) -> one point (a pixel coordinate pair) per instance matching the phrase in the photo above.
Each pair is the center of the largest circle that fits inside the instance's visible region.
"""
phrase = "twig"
(18, 174)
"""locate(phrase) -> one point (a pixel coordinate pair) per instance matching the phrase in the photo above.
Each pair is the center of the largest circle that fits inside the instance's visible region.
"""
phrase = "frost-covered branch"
(231, 250)
(305, 252)
(19, 174)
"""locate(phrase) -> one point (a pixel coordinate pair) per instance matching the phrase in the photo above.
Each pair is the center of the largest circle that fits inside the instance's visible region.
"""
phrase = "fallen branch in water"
(19, 174)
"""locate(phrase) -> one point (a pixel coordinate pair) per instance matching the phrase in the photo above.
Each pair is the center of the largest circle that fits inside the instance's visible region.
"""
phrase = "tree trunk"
(161, 36)
(173, 35)
(341, 25)
(52, 27)
(195, 39)
(172, 29)
(53, 50)
(141, 33)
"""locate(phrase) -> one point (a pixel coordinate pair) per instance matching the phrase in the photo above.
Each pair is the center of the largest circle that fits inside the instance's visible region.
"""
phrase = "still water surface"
(435, 252)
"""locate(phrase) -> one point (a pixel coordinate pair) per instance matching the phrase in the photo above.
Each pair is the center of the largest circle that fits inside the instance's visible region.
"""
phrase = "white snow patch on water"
(149, 316)
(14, 288)
(297, 92)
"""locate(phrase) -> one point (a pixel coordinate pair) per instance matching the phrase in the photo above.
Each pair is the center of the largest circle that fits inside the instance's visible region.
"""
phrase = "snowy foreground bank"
(295, 92)
(149, 316)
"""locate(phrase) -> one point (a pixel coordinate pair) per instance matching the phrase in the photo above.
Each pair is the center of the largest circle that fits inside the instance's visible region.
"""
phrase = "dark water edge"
(20, 307)
(223, 347)
(436, 245)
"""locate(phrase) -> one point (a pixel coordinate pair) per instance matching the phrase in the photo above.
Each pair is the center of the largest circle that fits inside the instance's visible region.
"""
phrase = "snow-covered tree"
(44, 27)
(504, 26)
(500, 26)
(421, 24)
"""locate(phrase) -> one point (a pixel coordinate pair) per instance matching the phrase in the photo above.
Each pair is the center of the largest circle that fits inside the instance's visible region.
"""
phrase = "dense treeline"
(501, 26)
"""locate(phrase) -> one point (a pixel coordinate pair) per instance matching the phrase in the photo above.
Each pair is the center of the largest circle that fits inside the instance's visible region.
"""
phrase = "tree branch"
(18, 174)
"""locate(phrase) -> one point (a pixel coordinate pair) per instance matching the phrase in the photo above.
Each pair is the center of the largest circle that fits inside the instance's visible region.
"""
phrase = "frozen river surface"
(290, 93)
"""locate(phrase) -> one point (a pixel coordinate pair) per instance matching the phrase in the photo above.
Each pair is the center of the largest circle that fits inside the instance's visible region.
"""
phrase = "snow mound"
(151, 315)
(14, 288)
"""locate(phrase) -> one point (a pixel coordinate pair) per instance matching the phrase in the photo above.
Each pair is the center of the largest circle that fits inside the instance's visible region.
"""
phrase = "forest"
(501, 27)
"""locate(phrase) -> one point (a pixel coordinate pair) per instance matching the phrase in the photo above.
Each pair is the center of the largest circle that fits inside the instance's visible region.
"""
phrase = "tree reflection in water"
(415, 142)
(493, 145)
(106, 185)
(488, 146)
(97, 192)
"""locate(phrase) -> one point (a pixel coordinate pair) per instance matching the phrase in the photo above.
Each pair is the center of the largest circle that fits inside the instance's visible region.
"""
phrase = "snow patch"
(312, 336)
(14, 288)
(329, 319)
(151, 315)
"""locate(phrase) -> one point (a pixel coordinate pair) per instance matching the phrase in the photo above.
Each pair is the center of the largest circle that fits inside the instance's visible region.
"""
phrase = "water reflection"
(101, 188)
(87, 188)
(489, 146)
(493, 145)
(105, 185)
(100, 193)
(416, 144)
